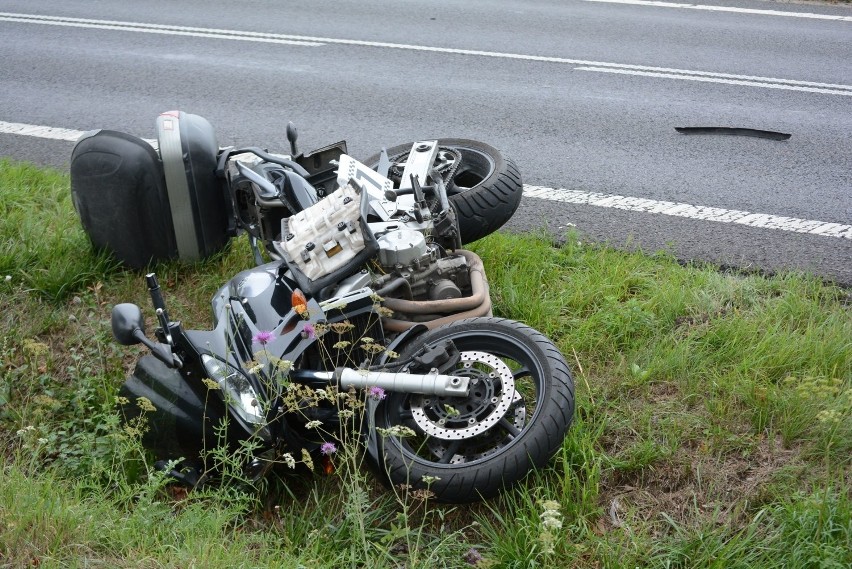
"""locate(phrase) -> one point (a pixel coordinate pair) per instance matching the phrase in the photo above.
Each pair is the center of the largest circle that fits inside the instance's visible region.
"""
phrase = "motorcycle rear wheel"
(517, 413)
(485, 187)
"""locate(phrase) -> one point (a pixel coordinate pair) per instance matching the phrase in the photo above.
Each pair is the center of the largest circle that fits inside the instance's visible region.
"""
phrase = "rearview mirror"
(127, 324)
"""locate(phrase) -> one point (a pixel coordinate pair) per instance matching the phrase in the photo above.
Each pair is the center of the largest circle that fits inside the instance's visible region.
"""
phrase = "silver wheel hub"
(492, 395)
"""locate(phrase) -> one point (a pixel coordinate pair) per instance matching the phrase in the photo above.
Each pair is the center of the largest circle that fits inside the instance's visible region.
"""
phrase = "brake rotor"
(492, 394)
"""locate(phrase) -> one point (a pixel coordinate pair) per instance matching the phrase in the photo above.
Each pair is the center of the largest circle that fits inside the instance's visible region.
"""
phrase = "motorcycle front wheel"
(483, 186)
(515, 417)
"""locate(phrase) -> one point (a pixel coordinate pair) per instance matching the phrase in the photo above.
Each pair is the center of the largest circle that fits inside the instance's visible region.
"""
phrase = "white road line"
(40, 131)
(718, 80)
(49, 132)
(642, 205)
(685, 74)
(155, 29)
(728, 9)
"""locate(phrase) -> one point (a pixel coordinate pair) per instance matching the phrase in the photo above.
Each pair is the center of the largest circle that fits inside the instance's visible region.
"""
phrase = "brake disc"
(492, 394)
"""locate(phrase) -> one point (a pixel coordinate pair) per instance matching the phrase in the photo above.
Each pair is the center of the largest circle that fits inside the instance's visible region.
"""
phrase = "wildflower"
(263, 337)
(391, 355)
(133, 432)
(422, 494)
(313, 424)
(451, 411)
(341, 345)
(346, 413)
(308, 331)
(400, 431)
(551, 521)
(429, 480)
(121, 400)
(384, 311)
(373, 348)
(42, 441)
(288, 460)
(306, 458)
(341, 327)
(145, 404)
(328, 449)
(47, 402)
(300, 309)
(551, 518)
(279, 365)
(210, 383)
(829, 416)
(28, 429)
(376, 392)
(8, 278)
(34, 348)
(472, 557)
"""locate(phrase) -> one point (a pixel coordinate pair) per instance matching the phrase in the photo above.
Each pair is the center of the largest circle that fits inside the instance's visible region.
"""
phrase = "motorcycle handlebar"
(223, 160)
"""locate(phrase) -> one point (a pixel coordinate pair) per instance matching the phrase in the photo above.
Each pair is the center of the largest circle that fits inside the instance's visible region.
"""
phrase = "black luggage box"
(146, 206)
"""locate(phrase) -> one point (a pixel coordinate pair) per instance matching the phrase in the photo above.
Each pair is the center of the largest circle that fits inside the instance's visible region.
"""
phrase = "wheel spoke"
(509, 426)
(448, 455)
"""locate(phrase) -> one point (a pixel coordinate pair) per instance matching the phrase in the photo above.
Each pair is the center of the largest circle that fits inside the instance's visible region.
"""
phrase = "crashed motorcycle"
(369, 317)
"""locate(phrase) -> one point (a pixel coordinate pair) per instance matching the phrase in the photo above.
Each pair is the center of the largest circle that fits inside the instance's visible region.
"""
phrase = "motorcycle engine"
(405, 257)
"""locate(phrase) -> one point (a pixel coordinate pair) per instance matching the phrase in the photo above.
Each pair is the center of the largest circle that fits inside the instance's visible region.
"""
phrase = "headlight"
(237, 391)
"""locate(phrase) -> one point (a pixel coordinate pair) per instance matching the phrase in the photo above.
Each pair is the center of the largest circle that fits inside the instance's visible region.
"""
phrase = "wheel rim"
(501, 406)
(475, 168)
(472, 167)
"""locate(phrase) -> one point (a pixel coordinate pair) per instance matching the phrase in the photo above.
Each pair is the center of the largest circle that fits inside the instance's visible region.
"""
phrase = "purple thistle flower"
(376, 393)
(263, 337)
(328, 449)
(473, 557)
(308, 331)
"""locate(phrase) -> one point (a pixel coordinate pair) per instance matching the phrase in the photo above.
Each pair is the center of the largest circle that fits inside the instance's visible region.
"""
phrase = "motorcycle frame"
(260, 300)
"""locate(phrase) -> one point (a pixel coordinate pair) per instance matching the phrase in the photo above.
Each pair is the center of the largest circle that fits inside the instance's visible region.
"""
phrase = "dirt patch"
(693, 488)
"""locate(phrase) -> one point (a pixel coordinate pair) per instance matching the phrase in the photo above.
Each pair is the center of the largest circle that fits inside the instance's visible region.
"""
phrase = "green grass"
(713, 424)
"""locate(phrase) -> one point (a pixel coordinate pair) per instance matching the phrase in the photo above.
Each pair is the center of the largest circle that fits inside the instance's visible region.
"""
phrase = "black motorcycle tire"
(480, 466)
(485, 189)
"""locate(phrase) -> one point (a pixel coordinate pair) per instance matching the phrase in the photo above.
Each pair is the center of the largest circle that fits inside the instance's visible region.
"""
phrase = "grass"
(712, 428)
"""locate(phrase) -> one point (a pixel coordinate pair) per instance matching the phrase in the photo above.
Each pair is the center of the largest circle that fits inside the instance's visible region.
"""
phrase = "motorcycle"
(369, 316)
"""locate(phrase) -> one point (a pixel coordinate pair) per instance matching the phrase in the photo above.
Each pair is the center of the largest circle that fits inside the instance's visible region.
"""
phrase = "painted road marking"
(52, 133)
(766, 85)
(648, 71)
(719, 215)
(729, 9)
(156, 29)
(40, 131)
(641, 205)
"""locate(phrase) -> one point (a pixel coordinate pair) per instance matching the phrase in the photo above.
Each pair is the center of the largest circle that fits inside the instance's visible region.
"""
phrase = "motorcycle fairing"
(185, 418)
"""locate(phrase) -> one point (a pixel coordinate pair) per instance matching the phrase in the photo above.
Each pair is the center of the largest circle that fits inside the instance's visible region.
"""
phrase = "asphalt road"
(583, 95)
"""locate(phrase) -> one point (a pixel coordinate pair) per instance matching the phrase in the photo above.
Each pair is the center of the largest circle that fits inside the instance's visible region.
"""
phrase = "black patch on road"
(753, 132)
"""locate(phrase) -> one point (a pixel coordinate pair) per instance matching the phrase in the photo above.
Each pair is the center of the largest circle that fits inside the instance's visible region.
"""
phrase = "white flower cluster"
(551, 522)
